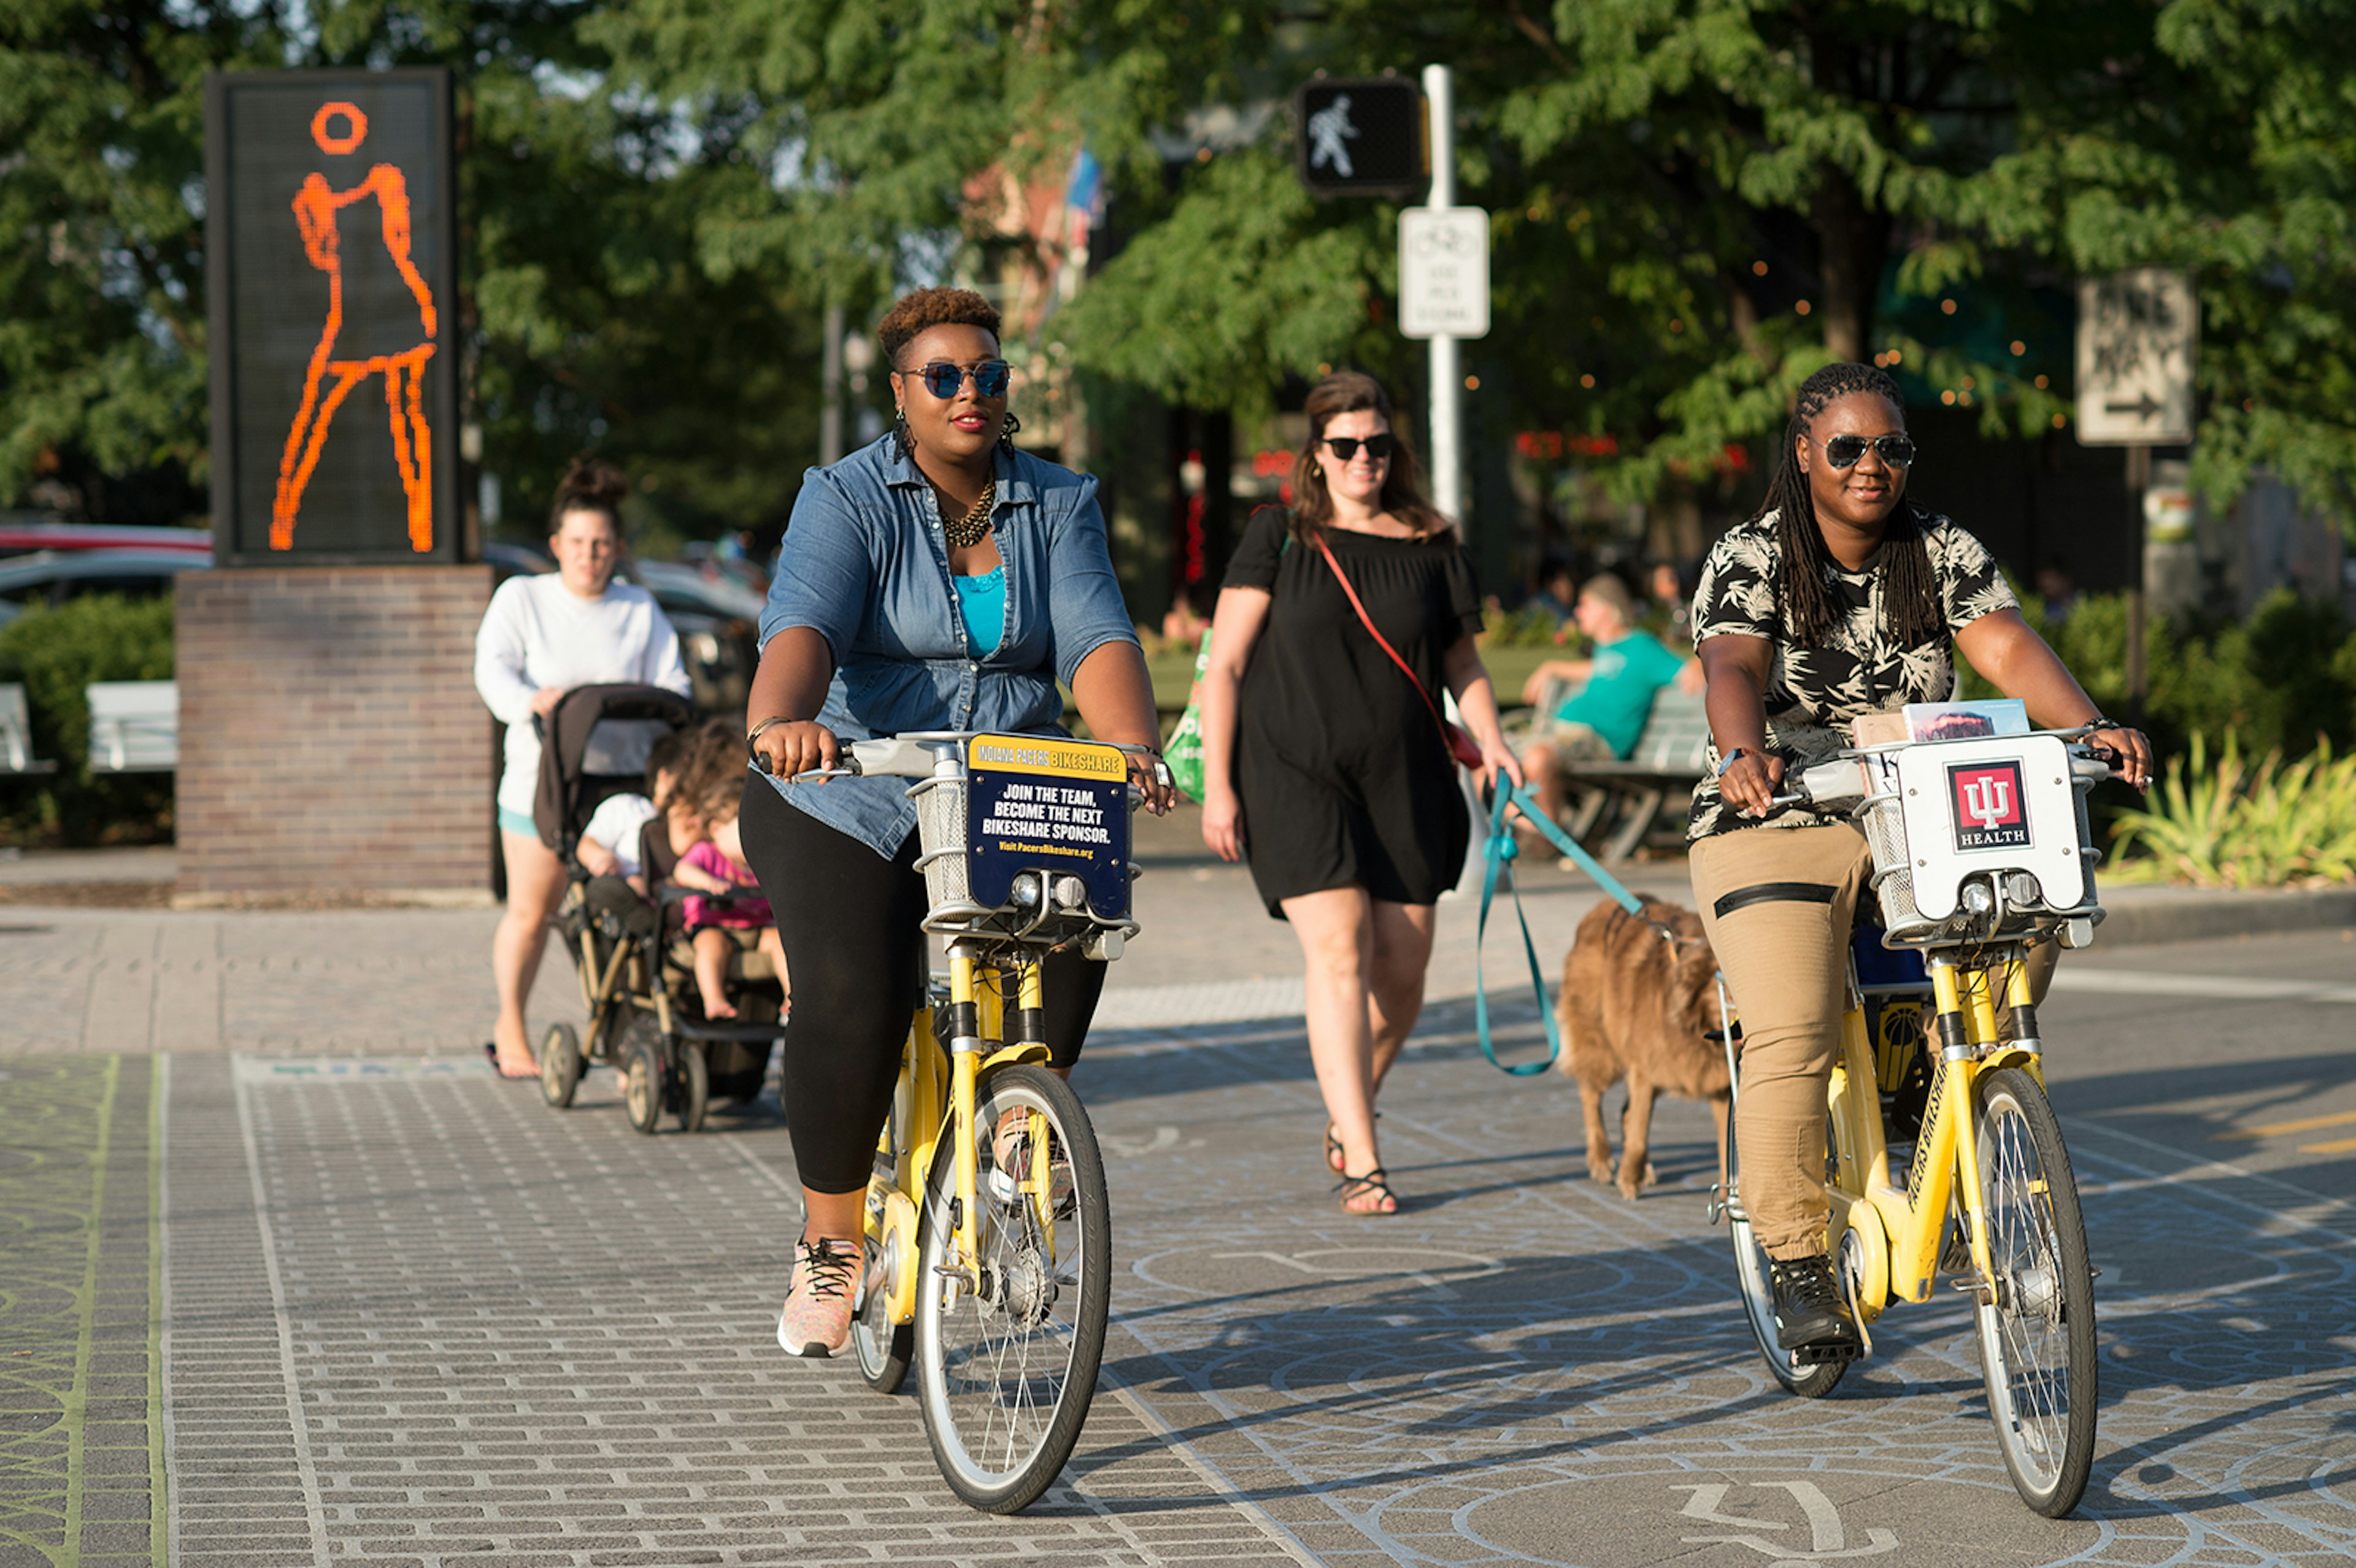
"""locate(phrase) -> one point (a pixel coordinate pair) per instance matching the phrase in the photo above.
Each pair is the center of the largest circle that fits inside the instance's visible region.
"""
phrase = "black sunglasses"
(1346, 447)
(942, 379)
(1897, 449)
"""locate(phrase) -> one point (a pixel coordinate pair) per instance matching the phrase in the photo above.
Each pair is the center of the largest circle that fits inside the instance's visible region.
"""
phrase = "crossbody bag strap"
(1368, 622)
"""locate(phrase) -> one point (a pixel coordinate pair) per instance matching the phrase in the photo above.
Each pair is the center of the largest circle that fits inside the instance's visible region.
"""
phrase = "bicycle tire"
(1758, 1295)
(2036, 1336)
(1005, 1374)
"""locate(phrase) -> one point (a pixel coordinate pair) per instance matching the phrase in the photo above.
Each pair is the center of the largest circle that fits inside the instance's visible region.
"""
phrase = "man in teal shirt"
(1602, 720)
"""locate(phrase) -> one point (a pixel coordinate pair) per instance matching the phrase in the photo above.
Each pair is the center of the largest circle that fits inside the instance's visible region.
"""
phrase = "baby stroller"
(637, 971)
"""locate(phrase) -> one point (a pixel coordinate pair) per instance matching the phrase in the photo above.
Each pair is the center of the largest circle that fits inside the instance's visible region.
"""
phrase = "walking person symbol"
(1330, 131)
(333, 362)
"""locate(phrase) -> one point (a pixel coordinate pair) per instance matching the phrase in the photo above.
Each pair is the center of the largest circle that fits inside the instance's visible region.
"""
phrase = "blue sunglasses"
(942, 379)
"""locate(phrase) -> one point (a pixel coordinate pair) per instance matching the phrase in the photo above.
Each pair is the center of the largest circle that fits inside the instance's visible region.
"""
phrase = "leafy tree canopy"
(591, 318)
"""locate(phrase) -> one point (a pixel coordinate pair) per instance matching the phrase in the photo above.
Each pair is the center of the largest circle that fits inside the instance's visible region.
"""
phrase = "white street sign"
(1444, 271)
(2137, 333)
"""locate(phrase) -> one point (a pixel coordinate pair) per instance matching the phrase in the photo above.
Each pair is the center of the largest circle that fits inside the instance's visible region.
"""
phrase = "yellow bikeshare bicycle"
(1981, 850)
(988, 1250)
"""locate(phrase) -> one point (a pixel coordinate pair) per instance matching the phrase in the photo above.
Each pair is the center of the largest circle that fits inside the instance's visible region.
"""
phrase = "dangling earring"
(1007, 431)
(901, 435)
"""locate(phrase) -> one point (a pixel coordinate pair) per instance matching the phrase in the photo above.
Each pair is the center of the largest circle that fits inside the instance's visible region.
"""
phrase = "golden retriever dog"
(1636, 1007)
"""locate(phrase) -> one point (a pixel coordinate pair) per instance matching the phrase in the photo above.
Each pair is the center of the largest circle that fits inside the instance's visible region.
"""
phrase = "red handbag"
(1460, 745)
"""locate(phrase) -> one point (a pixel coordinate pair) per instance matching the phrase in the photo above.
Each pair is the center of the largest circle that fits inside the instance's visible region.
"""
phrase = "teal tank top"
(982, 602)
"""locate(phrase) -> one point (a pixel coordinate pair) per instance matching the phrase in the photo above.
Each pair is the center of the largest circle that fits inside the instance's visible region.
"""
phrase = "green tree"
(592, 314)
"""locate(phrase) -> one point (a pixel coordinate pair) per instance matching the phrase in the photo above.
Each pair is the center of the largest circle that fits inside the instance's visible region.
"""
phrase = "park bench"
(135, 726)
(16, 734)
(1624, 800)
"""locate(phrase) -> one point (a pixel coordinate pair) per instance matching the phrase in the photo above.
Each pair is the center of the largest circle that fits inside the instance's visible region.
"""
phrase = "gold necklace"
(974, 526)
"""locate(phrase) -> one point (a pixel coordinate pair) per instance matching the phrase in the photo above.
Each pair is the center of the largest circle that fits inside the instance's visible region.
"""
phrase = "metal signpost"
(2138, 333)
(1444, 289)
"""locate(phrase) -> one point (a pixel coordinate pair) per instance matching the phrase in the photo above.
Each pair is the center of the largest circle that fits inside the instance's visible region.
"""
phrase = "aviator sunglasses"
(1346, 447)
(942, 379)
(1897, 449)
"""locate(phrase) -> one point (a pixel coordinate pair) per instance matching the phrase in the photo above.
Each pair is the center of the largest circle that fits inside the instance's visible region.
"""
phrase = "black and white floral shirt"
(1813, 693)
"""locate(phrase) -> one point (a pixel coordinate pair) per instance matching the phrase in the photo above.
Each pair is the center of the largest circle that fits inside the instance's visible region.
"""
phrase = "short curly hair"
(928, 308)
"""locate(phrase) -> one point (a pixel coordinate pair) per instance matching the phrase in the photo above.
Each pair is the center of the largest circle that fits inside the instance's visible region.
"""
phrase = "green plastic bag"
(1184, 751)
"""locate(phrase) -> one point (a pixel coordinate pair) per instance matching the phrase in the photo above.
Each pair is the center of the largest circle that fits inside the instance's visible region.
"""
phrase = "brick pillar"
(331, 741)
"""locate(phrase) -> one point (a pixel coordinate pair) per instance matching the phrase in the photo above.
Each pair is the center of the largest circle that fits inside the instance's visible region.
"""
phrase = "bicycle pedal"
(1825, 1354)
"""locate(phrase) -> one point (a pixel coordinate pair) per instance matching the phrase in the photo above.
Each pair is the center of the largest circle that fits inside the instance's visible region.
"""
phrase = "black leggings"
(855, 954)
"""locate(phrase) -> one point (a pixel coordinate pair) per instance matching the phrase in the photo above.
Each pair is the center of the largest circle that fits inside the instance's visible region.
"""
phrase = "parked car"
(52, 577)
(718, 620)
(21, 533)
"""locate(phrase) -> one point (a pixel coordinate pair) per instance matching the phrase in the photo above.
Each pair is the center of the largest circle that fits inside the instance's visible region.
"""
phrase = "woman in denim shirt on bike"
(936, 580)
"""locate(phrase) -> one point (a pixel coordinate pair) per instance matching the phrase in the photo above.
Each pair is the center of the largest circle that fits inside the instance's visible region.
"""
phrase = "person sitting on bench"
(1600, 721)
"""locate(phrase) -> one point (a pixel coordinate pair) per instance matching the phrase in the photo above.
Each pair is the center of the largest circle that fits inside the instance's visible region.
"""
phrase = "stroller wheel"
(560, 1065)
(642, 1085)
(694, 1088)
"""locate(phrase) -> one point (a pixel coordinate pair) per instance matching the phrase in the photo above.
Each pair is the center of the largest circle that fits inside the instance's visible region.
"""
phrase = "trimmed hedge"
(56, 653)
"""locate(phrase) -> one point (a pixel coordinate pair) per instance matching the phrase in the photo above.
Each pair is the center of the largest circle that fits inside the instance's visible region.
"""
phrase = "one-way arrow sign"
(2137, 335)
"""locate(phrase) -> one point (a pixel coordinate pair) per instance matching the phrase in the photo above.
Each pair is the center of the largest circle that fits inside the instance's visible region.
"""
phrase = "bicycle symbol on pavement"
(1829, 1539)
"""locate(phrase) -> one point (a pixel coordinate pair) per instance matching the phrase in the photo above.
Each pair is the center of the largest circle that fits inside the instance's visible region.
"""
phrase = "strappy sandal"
(1378, 1182)
(1333, 1153)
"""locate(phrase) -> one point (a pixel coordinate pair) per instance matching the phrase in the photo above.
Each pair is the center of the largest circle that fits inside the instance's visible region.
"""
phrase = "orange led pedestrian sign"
(331, 216)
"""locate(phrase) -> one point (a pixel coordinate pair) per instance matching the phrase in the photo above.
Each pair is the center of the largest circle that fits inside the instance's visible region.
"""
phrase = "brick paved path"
(408, 1314)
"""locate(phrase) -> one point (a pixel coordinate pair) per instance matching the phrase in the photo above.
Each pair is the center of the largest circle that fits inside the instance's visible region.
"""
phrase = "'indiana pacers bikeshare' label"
(1045, 804)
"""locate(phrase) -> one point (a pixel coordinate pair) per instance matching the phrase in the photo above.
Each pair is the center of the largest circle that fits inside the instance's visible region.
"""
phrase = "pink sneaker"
(816, 1318)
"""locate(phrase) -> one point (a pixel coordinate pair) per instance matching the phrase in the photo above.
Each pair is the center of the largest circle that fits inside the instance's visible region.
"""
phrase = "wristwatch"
(1727, 760)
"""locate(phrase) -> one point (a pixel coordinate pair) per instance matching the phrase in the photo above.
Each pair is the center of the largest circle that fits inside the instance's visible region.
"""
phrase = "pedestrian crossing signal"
(1361, 136)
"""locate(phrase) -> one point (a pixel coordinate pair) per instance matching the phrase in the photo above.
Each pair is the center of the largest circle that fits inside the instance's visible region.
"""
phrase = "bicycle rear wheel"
(1811, 1381)
(2036, 1336)
(1005, 1372)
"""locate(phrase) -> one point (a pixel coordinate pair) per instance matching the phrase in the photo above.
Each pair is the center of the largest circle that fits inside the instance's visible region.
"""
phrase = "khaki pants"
(1778, 904)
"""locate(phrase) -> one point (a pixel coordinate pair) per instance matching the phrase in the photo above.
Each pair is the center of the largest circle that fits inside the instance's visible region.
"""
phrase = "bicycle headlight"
(1978, 899)
(2022, 888)
(1025, 889)
(1070, 893)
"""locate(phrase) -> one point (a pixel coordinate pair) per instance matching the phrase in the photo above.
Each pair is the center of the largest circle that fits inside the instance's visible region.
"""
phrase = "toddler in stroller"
(723, 914)
(646, 1015)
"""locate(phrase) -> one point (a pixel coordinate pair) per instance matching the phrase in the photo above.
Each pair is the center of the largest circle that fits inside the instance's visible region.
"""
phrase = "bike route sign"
(1443, 256)
(1037, 803)
(2137, 332)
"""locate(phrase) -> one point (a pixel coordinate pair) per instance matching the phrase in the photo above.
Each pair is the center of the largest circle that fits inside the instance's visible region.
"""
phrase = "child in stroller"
(646, 1015)
(724, 914)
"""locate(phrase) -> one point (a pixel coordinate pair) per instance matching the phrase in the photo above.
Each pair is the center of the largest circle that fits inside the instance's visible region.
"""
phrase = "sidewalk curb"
(2189, 914)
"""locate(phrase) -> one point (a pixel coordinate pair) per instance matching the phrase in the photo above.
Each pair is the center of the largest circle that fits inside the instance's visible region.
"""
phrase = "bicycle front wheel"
(2036, 1333)
(1006, 1363)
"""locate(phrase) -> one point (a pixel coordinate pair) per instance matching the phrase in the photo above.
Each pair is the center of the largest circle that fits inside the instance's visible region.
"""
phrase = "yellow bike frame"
(1898, 1229)
(935, 1099)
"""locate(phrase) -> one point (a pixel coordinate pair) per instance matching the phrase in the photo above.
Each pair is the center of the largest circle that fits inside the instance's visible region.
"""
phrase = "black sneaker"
(1810, 1312)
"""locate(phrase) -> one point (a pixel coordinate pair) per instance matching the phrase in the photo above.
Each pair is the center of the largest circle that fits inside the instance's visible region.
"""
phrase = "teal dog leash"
(1501, 851)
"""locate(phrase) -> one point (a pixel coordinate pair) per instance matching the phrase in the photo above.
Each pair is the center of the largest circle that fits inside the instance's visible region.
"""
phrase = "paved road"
(316, 1289)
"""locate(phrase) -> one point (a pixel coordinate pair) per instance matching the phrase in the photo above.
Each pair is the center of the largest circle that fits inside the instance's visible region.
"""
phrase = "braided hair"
(1910, 592)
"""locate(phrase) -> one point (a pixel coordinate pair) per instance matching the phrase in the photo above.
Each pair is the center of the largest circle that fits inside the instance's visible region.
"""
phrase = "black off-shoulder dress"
(1344, 778)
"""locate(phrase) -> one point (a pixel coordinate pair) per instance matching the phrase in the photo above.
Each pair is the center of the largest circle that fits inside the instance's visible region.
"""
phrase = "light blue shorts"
(517, 822)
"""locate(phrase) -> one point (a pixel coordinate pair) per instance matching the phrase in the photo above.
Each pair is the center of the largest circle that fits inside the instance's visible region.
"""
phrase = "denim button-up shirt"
(866, 567)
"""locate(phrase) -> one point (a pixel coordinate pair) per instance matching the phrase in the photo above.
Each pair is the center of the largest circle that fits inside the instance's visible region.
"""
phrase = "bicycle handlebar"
(914, 756)
(1842, 781)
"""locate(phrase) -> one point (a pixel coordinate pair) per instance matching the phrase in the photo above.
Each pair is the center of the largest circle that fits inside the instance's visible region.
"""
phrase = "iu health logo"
(1989, 814)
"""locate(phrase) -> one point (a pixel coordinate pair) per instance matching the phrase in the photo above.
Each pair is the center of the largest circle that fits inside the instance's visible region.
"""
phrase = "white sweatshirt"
(539, 633)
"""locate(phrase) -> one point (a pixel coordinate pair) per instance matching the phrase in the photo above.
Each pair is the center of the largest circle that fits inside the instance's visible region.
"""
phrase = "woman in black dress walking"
(1327, 765)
